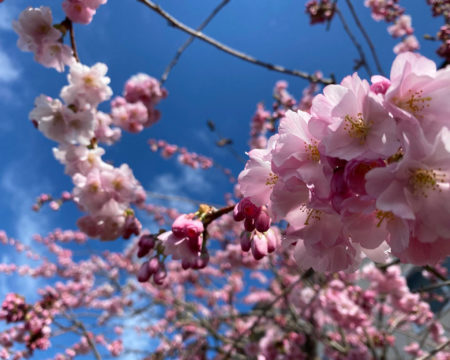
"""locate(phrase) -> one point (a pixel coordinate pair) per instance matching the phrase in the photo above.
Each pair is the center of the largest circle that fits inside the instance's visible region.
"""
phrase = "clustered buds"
(258, 236)
(320, 11)
(136, 110)
(185, 242)
(255, 217)
(33, 321)
(191, 159)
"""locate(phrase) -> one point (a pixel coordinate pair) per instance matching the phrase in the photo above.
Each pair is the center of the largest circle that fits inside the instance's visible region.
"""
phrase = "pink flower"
(87, 85)
(60, 123)
(417, 96)
(257, 179)
(81, 11)
(401, 27)
(185, 242)
(35, 27)
(352, 122)
(409, 43)
(37, 34)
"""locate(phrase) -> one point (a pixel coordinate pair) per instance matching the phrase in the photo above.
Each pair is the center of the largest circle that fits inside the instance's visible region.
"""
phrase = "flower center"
(422, 180)
(356, 127)
(415, 102)
(384, 215)
(271, 179)
(313, 151)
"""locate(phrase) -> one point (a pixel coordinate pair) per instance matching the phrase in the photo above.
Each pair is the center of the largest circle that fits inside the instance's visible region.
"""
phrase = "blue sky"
(206, 84)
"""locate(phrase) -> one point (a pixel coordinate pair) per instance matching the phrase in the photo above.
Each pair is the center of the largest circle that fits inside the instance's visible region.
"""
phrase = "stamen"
(422, 180)
(382, 215)
(357, 127)
(313, 151)
(271, 179)
(414, 103)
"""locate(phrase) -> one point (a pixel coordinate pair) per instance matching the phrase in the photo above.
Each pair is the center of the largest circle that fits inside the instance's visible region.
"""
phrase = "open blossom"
(351, 122)
(401, 27)
(37, 34)
(366, 173)
(132, 117)
(185, 242)
(87, 85)
(81, 11)
(409, 43)
(60, 123)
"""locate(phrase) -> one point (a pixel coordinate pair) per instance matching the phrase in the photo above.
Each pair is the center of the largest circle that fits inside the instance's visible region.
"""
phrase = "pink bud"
(160, 275)
(249, 209)
(262, 222)
(272, 241)
(246, 242)
(153, 265)
(259, 246)
(249, 224)
(238, 214)
(202, 261)
(144, 272)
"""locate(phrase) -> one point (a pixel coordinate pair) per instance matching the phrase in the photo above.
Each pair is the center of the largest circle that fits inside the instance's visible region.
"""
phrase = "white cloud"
(27, 223)
(189, 183)
(7, 14)
(8, 70)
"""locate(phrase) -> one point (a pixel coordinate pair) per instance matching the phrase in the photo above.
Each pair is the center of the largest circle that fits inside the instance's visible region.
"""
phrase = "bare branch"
(176, 23)
(190, 40)
(435, 351)
(366, 36)
(362, 56)
(433, 286)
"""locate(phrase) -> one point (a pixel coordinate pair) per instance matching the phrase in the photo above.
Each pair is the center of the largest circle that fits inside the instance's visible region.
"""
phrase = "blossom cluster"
(263, 121)
(391, 12)
(38, 35)
(136, 109)
(34, 322)
(191, 159)
(81, 11)
(102, 190)
(365, 173)
(321, 11)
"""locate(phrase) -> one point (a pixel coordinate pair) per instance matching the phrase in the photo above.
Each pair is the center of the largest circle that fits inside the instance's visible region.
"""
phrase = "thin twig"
(433, 286)
(366, 36)
(72, 40)
(267, 307)
(88, 338)
(436, 273)
(190, 40)
(435, 351)
(363, 61)
(176, 23)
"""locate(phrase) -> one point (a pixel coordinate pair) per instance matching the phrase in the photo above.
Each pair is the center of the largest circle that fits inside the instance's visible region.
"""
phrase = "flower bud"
(238, 214)
(144, 272)
(153, 265)
(262, 222)
(160, 275)
(259, 246)
(246, 242)
(249, 224)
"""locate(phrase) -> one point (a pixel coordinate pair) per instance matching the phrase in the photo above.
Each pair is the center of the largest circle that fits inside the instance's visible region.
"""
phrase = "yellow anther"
(357, 127)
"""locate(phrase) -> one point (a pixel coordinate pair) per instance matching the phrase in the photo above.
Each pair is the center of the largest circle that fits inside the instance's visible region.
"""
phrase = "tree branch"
(176, 23)
(190, 40)
(435, 351)
(362, 56)
(366, 36)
